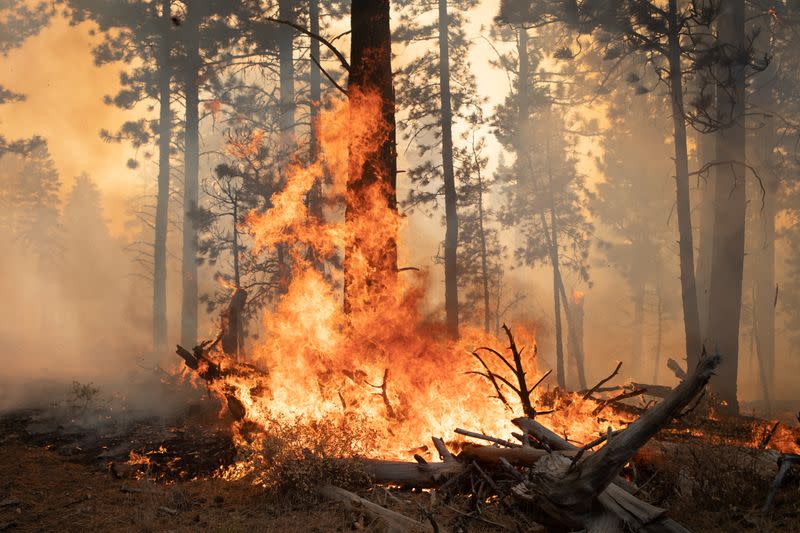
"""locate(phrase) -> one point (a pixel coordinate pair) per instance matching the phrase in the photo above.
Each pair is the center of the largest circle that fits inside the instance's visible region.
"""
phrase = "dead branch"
(444, 453)
(768, 436)
(676, 368)
(489, 438)
(521, 388)
(383, 393)
(519, 372)
(391, 520)
(602, 382)
(618, 398)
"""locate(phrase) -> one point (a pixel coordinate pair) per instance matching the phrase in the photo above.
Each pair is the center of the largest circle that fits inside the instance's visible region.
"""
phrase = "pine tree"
(430, 111)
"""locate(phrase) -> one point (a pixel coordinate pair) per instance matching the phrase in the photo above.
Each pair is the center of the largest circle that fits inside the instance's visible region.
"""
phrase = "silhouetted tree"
(430, 108)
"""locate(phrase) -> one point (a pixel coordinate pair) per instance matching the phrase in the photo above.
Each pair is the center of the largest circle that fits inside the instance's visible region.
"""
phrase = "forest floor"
(55, 476)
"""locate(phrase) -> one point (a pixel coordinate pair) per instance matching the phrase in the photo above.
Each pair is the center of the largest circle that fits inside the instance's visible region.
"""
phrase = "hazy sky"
(65, 89)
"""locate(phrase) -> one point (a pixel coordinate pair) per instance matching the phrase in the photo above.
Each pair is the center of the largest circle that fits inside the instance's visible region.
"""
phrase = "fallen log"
(574, 497)
(428, 475)
(557, 443)
(786, 462)
(391, 521)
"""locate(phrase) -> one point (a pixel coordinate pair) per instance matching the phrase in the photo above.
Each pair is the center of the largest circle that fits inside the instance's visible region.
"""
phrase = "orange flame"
(381, 361)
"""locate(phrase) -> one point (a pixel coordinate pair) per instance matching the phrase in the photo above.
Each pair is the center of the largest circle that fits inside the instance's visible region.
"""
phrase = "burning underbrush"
(340, 397)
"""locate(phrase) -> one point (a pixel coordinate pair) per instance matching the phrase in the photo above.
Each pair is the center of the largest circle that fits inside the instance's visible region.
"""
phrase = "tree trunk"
(371, 72)
(638, 327)
(286, 121)
(286, 73)
(575, 325)
(164, 69)
(765, 141)
(235, 246)
(484, 257)
(704, 150)
(191, 189)
(560, 374)
(451, 214)
(729, 215)
(315, 95)
(524, 125)
(659, 328)
(691, 317)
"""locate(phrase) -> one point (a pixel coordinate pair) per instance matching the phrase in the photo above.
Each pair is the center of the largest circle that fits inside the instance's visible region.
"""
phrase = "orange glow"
(577, 297)
(381, 362)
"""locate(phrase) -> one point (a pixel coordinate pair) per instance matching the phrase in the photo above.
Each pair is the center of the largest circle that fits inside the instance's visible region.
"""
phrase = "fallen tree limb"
(392, 521)
(428, 475)
(786, 462)
(488, 438)
(579, 497)
(676, 368)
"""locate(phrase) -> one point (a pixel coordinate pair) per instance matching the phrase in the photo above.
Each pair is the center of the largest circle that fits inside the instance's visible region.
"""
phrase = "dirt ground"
(40, 491)
(55, 476)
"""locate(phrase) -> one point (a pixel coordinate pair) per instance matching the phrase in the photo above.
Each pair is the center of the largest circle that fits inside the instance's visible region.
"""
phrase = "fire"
(381, 361)
(577, 297)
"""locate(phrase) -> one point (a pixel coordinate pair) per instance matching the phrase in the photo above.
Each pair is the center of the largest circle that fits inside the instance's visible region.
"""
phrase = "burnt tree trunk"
(765, 142)
(575, 324)
(729, 215)
(315, 96)
(191, 188)
(286, 72)
(232, 338)
(484, 256)
(451, 212)
(659, 328)
(164, 69)
(691, 317)
(371, 72)
(554, 260)
(638, 324)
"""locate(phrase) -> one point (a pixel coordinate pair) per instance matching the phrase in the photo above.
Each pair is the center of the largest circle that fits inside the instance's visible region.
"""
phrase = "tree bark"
(371, 72)
(484, 257)
(729, 214)
(765, 142)
(659, 328)
(691, 317)
(191, 190)
(557, 282)
(575, 325)
(286, 73)
(315, 95)
(560, 372)
(638, 325)
(450, 208)
(704, 152)
(164, 68)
